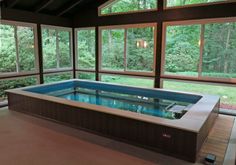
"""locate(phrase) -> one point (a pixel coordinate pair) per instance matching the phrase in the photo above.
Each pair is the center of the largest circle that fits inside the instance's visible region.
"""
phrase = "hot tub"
(174, 123)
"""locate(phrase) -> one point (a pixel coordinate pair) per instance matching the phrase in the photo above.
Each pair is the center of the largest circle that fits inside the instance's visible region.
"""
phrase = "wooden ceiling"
(64, 8)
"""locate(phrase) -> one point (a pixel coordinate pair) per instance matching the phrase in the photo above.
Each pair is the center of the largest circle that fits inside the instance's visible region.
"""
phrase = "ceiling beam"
(11, 3)
(42, 5)
(69, 7)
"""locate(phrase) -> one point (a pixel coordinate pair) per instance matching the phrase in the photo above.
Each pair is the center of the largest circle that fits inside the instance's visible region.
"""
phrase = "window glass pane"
(172, 3)
(182, 50)
(86, 75)
(15, 83)
(86, 49)
(120, 6)
(140, 49)
(25, 37)
(127, 80)
(64, 49)
(49, 48)
(48, 78)
(219, 55)
(227, 93)
(7, 49)
(113, 49)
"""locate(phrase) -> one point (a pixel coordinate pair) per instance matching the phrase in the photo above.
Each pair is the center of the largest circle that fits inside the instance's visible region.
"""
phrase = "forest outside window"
(18, 50)
(126, 6)
(6, 84)
(129, 48)
(200, 49)
(85, 39)
(187, 3)
(55, 77)
(56, 44)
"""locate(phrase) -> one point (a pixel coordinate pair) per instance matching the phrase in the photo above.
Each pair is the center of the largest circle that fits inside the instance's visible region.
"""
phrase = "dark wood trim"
(18, 76)
(74, 47)
(177, 14)
(42, 5)
(40, 54)
(157, 83)
(84, 70)
(69, 7)
(37, 18)
(126, 74)
(97, 53)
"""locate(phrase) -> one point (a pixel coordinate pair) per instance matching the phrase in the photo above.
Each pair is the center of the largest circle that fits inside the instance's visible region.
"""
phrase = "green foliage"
(7, 49)
(57, 77)
(129, 5)
(138, 58)
(182, 48)
(56, 49)
(86, 49)
(17, 83)
(227, 93)
(86, 76)
(133, 81)
(171, 3)
(113, 49)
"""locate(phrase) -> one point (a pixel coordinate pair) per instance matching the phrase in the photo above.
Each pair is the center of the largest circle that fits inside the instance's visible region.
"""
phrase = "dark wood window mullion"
(157, 83)
(97, 49)
(40, 53)
(74, 47)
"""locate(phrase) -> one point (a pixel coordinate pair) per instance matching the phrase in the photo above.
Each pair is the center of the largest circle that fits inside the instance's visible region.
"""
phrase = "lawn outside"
(226, 93)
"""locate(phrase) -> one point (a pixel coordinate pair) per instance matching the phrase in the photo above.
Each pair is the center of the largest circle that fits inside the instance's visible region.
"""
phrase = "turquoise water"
(160, 103)
(134, 103)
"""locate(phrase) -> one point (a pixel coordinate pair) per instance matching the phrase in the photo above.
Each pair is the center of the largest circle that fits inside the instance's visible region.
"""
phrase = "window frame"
(125, 27)
(76, 49)
(58, 29)
(110, 2)
(16, 24)
(195, 5)
(201, 22)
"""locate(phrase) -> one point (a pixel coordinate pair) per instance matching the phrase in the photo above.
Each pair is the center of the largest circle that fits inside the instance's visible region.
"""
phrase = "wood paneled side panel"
(171, 141)
(207, 126)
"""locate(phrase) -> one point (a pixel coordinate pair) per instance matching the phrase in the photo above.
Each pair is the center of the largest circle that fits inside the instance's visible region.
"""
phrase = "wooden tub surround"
(182, 138)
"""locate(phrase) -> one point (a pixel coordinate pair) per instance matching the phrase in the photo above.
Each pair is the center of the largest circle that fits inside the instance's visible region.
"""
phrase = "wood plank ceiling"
(64, 8)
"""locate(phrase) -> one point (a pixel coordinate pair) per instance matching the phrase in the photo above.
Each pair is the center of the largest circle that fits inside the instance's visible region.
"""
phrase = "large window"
(200, 49)
(18, 50)
(129, 49)
(85, 48)
(126, 6)
(227, 93)
(57, 47)
(181, 3)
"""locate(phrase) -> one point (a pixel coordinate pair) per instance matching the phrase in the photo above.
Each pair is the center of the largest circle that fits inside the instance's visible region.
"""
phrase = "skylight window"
(127, 6)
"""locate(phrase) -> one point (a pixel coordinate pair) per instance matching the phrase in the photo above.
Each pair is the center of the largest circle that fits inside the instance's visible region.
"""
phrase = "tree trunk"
(226, 50)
